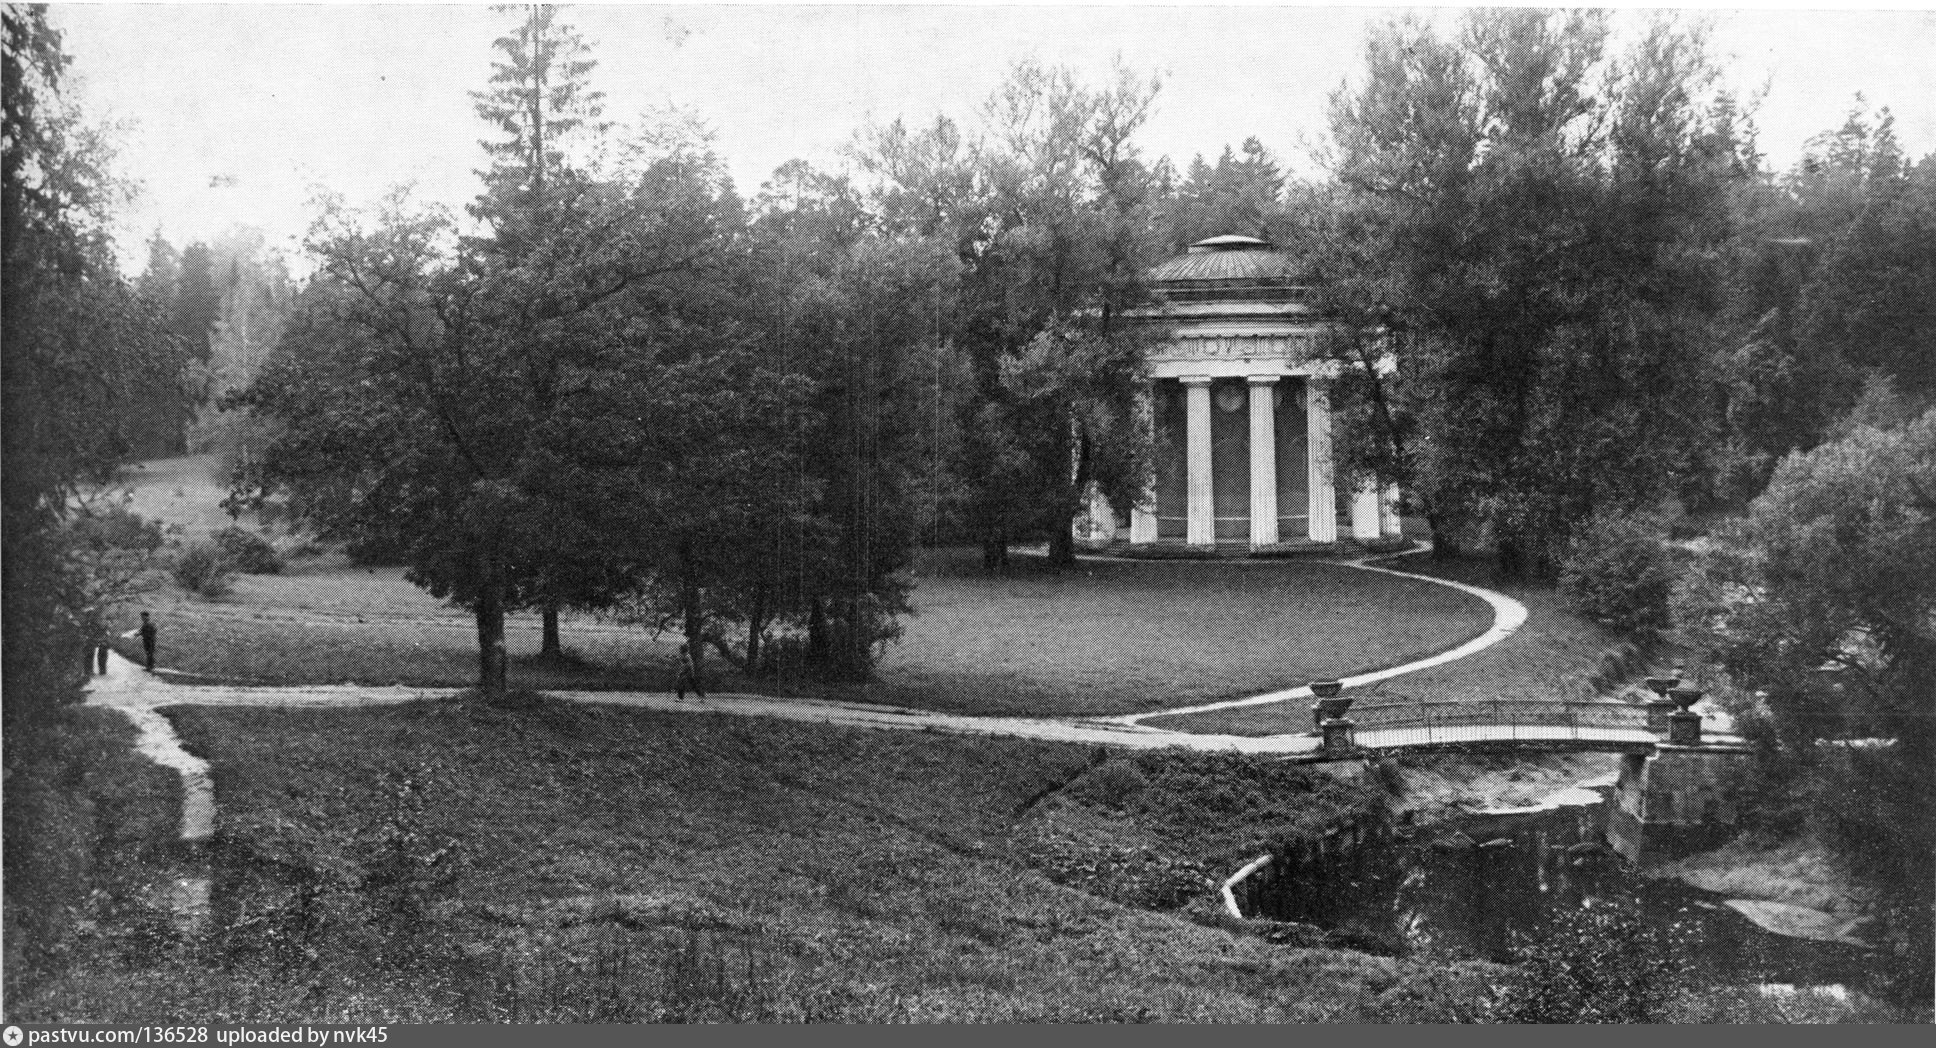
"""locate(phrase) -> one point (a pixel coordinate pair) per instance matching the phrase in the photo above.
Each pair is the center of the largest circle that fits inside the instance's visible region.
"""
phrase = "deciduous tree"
(1052, 214)
(1822, 602)
(860, 315)
(423, 391)
(1832, 272)
(1531, 222)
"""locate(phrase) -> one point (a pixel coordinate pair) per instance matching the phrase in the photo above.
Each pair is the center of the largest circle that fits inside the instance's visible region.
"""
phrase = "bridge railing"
(1383, 724)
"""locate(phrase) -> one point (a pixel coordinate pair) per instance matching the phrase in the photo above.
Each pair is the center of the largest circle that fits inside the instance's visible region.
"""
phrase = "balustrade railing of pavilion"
(1428, 723)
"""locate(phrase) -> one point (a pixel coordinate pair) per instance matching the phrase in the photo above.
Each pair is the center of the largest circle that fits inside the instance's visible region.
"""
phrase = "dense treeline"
(1598, 300)
(626, 389)
(83, 348)
(1594, 292)
(79, 348)
(226, 302)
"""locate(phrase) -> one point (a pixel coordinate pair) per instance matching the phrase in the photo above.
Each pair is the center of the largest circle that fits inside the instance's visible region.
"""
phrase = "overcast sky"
(234, 113)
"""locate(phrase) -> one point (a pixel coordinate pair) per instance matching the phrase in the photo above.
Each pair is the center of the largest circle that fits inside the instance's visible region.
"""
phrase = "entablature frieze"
(1293, 347)
(1240, 367)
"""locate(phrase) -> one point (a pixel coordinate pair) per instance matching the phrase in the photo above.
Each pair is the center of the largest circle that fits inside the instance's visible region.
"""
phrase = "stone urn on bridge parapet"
(1660, 707)
(1684, 725)
(1328, 713)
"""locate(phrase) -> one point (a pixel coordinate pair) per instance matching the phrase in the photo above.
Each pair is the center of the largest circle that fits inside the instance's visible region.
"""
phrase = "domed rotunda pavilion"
(1242, 422)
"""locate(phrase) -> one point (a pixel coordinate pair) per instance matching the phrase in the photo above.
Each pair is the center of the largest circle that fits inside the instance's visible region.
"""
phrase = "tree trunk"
(850, 653)
(1511, 557)
(755, 625)
(1062, 544)
(690, 611)
(491, 658)
(994, 555)
(1444, 545)
(1062, 540)
(553, 646)
(818, 645)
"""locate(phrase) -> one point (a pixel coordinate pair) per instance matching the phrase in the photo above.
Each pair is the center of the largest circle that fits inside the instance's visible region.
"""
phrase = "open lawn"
(1556, 654)
(1109, 637)
(618, 865)
(1128, 636)
(187, 491)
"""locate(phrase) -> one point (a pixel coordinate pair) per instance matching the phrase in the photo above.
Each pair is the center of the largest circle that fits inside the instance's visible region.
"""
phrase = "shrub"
(203, 568)
(248, 553)
(116, 555)
(685, 975)
(378, 549)
(1601, 965)
(1618, 572)
(1112, 784)
(1387, 775)
(1132, 875)
(408, 867)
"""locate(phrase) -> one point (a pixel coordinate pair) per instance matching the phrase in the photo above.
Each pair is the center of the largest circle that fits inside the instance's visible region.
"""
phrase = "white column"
(1365, 512)
(1389, 525)
(1098, 520)
(1324, 500)
(1142, 516)
(1202, 524)
(1263, 461)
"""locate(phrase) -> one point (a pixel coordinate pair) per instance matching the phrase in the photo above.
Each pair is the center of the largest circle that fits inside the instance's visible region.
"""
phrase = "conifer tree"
(82, 348)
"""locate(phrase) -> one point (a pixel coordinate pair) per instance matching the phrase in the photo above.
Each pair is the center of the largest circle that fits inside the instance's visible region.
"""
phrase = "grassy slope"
(1553, 655)
(89, 823)
(624, 865)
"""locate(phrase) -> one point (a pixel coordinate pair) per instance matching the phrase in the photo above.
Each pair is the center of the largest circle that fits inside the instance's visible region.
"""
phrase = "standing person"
(689, 673)
(101, 650)
(148, 640)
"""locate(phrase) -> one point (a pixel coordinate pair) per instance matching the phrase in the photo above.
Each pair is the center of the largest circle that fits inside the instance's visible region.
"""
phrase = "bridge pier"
(1672, 802)
(1337, 732)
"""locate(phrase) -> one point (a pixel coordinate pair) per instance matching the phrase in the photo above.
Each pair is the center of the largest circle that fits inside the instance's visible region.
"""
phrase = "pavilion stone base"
(1175, 550)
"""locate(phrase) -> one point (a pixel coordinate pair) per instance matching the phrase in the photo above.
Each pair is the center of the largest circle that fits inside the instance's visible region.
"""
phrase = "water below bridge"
(1479, 886)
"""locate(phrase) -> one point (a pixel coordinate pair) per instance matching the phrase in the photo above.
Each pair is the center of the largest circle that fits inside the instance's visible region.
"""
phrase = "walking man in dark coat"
(148, 640)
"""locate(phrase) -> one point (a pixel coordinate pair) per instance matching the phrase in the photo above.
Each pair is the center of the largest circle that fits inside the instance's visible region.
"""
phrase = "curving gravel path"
(138, 694)
(1507, 616)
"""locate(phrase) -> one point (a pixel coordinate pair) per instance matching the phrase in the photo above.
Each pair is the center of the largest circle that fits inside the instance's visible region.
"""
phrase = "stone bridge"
(1505, 724)
(1674, 793)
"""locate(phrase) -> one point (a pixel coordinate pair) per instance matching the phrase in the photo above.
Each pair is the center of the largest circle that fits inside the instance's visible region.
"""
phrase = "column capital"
(1195, 380)
(1263, 380)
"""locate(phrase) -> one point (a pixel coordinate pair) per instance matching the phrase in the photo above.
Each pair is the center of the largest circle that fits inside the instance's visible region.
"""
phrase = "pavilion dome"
(1229, 268)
